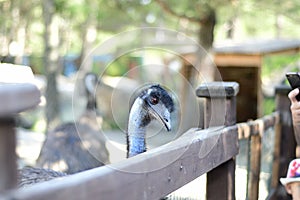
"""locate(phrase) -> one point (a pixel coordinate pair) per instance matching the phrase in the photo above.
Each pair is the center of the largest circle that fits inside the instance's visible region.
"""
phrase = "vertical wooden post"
(17, 94)
(220, 110)
(8, 164)
(254, 173)
(285, 143)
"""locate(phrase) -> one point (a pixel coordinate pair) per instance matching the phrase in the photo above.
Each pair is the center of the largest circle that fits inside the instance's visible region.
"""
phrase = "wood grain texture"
(8, 166)
(246, 129)
(217, 89)
(254, 173)
(221, 110)
(150, 175)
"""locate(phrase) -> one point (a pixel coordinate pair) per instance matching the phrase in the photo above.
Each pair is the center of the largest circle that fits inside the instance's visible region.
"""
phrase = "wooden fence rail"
(149, 176)
(158, 172)
(254, 131)
(257, 127)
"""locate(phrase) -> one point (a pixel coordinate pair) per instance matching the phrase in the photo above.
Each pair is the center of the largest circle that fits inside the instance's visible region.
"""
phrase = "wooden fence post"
(220, 110)
(7, 154)
(16, 95)
(285, 143)
(255, 164)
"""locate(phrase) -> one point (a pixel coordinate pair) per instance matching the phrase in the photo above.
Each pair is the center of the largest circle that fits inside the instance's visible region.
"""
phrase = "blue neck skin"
(138, 120)
(137, 145)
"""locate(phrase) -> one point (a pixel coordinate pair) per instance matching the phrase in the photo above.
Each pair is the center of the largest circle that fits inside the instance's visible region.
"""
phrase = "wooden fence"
(160, 171)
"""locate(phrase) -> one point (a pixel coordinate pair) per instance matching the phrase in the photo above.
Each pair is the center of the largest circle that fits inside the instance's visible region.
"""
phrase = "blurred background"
(54, 38)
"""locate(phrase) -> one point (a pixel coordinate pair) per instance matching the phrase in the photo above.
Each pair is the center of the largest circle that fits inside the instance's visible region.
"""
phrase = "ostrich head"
(154, 102)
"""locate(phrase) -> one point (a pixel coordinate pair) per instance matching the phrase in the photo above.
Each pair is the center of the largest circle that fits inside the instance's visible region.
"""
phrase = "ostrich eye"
(154, 100)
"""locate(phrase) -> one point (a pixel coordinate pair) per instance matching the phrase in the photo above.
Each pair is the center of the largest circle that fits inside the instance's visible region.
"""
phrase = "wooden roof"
(259, 47)
(251, 53)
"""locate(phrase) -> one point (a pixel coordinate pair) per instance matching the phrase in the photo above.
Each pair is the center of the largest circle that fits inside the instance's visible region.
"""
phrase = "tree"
(51, 61)
(204, 17)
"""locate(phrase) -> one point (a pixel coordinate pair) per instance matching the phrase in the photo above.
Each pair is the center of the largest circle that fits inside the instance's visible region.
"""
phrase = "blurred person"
(295, 110)
(292, 180)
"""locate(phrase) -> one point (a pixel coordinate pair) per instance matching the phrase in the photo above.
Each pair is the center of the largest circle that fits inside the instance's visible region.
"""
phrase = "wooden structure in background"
(242, 63)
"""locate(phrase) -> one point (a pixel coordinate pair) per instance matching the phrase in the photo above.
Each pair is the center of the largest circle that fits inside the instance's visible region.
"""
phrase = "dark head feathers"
(156, 92)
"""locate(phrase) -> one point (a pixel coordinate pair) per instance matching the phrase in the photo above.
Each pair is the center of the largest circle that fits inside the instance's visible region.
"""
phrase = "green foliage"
(256, 18)
(36, 64)
(274, 65)
(278, 62)
(268, 105)
(119, 67)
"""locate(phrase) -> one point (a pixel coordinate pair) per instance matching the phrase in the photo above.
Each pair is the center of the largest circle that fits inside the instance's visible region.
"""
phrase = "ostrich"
(65, 148)
(154, 102)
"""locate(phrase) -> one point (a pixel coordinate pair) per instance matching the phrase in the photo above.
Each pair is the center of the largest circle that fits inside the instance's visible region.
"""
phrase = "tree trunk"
(206, 39)
(89, 36)
(88, 40)
(51, 62)
(278, 25)
(206, 33)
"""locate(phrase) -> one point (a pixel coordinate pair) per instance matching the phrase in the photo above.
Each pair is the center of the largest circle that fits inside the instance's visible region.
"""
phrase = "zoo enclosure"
(161, 171)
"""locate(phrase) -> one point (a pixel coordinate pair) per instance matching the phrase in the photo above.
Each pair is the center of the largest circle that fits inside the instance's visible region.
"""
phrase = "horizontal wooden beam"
(234, 60)
(150, 175)
(246, 129)
(17, 97)
(17, 89)
(217, 89)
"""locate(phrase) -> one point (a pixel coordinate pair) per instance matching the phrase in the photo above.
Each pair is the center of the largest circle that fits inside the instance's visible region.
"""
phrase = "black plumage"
(77, 146)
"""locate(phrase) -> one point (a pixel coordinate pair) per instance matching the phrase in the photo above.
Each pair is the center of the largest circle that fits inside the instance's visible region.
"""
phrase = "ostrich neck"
(138, 120)
(91, 102)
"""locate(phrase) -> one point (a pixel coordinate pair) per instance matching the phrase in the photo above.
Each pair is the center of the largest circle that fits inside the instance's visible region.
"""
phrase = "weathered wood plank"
(218, 89)
(254, 131)
(254, 173)
(150, 175)
(222, 176)
(220, 110)
(17, 93)
(233, 60)
(246, 129)
(8, 164)
(260, 47)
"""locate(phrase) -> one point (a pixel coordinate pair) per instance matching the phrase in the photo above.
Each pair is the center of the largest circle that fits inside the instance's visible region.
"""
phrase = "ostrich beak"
(162, 115)
(167, 124)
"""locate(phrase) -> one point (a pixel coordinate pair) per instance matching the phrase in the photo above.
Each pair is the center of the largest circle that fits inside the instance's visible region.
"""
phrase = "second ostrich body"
(154, 102)
(77, 146)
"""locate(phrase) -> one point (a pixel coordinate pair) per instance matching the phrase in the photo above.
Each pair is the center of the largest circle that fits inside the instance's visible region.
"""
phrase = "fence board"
(151, 175)
(8, 163)
(246, 129)
(254, 173)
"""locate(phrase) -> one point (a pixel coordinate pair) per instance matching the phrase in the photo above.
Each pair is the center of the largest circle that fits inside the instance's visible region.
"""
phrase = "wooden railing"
(17, 94)
(160, 171)
(254, 131)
